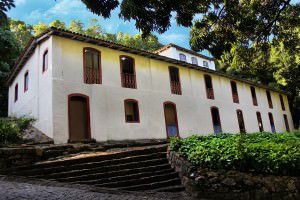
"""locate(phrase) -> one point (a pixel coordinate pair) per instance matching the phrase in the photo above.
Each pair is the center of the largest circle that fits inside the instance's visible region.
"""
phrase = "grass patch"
(270, 153)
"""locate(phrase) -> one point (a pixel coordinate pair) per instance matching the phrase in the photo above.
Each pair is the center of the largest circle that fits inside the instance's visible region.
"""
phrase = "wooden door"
(79, 123)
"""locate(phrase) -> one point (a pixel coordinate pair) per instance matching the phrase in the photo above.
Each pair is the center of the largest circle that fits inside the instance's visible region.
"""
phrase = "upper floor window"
(131, 111)
(128, 77)
(45, 61)
(286, 122)
(182, 57)
(16, 92)
(209, 87)
(26, 81)
(269, 99)
(216, 120)
(253, 94)
(235, 95)
(205, 64)
(241, 121)
(272, 122)
(260, 123)
(281, 102)
(175, 80)
(91, 68)
(194, 61)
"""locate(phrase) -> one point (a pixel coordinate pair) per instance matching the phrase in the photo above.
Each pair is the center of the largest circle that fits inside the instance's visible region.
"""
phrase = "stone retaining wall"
(221, 184)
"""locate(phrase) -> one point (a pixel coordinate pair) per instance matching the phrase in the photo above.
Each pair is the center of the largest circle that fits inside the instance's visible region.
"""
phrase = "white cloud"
(65, 7)
(173, 37)
(20, 2)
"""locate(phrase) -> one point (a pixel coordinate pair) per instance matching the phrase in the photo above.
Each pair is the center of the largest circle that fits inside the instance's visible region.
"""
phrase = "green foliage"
(258, 152)
(11, 129)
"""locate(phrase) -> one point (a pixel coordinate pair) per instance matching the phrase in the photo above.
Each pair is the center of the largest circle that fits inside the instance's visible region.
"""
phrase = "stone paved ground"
(20, 189)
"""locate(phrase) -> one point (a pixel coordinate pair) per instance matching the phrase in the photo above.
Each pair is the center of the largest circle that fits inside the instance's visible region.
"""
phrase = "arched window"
(269, 99)
(205, 64)
(182, 57)
(286, 122)
(259, 121)
(175, 80)
(209, 87)
(272, 122)
(216, 120)
(45, 61)
(253, 94)
(241, 121)
(235, 95)
(16, 92)
(131, 111)
(26, 81)
(194, 61)
(128, 77)
(281, 102)
(91, 66)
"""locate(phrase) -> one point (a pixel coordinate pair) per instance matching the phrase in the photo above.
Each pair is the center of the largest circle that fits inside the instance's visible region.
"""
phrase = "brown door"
(171, 119)
(79, 127)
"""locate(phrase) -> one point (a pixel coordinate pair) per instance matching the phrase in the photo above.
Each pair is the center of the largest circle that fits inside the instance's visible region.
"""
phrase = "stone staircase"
(132, 169)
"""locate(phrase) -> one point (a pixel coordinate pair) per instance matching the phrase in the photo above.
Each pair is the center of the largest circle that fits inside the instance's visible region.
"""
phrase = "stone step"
(72, 173)
(175, 188)
(108, 156)
(139, 181)
(90, 165)
(153, 185)
(127, 177)
(95, 176)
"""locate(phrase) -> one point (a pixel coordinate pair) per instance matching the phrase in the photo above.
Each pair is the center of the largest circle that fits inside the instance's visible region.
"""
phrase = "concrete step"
(126, 177)
(91, 165)
(72, 173)
(142, 180)
(175, 188)
(111, 174)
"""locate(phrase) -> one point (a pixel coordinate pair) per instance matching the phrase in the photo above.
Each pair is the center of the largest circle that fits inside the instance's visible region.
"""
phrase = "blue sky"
(35, 11)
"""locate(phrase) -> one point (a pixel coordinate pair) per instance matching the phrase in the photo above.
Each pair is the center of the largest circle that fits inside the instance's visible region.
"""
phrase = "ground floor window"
(131, 111)
(260, 123)
(286, 122)
(241, 121)
(272, 122)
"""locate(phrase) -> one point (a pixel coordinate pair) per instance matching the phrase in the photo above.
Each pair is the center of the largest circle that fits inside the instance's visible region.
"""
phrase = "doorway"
(79, 118)
(171, 119)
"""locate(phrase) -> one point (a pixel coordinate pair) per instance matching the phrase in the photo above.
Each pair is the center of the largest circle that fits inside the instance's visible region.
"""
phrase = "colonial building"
(80, 88)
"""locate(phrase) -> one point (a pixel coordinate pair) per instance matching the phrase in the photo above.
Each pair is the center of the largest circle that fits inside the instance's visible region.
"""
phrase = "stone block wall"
(224, 184)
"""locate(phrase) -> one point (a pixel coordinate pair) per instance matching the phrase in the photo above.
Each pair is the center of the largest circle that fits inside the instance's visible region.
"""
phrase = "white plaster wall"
(153, 89)
(36, 102)
(172, 52)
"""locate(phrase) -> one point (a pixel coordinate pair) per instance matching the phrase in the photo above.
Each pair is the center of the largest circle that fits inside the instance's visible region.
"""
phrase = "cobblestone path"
(25, 190)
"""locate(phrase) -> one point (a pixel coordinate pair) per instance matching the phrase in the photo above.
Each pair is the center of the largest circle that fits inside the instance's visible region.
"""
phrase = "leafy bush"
(271, 153)
(11, 129)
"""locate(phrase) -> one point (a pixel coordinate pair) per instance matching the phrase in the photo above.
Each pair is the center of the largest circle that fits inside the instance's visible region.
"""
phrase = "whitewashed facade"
(48, 96)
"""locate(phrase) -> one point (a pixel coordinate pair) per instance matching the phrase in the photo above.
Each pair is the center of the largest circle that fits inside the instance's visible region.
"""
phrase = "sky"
(35, 11)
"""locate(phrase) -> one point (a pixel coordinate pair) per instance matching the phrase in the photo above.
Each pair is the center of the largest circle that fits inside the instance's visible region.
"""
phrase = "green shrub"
(270, 153)
(11, 129)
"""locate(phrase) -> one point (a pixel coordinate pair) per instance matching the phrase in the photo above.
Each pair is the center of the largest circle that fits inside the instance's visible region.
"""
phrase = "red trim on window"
(26, 81)
(138, 110)
(175, 85)
(234, 91)
(282, 102)
(219, 117)
(44, 63)
(259, 120)
(88, 111)
(209, 91)
(269, 98)
(253, 95)
(173, 104)
(16, 92)
(128, 80)
(99, 67)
